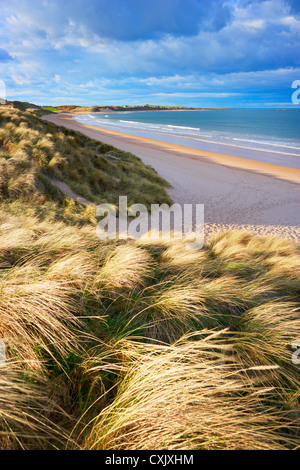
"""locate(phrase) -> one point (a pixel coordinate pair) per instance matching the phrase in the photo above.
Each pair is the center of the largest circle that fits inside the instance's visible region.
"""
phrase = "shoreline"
(286, 157)
(237, 193)
(289, 174)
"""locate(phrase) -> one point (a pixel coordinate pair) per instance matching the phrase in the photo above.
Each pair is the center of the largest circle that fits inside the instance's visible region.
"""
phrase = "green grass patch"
(50, 108)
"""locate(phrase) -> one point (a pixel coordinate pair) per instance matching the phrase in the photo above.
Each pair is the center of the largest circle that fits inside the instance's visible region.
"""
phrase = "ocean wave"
(130, 122)
(184, 127)
(264, 142)
(189, 134)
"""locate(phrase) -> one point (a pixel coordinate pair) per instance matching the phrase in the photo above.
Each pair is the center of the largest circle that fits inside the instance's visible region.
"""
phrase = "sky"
(217, 53)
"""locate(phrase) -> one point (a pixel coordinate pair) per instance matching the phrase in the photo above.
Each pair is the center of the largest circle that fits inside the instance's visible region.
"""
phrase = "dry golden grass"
(61, 291)
(126, 267)
(186, 396)
(111, 337)
(32, 148)
(25, 408)
(35, 314)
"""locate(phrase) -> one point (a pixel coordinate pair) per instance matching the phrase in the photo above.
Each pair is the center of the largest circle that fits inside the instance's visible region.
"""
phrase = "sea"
(267, 135)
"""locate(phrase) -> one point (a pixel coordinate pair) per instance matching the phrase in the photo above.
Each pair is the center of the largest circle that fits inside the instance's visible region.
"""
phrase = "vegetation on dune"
(32, 149)
(125, 334)
(134, 344)
(198, 402)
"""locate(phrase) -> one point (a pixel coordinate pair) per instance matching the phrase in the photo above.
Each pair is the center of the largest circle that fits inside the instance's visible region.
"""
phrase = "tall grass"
(26, 410)
(98, 322)
(32, 148)
(186, 396)
(134, 344)
(35, 313)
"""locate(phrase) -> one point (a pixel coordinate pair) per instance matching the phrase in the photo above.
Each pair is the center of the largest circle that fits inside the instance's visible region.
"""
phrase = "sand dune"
(237, 193)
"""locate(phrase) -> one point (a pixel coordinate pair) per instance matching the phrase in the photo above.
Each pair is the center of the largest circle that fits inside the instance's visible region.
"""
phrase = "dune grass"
(31, 149)
(135, 344)
(199, 401)
(119, 336)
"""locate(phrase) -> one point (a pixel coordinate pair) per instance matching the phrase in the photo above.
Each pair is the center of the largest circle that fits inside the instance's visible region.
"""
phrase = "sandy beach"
(237, 193)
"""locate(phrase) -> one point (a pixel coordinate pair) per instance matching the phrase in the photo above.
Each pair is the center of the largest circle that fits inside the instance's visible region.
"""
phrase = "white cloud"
(60, 46)
(198, 95)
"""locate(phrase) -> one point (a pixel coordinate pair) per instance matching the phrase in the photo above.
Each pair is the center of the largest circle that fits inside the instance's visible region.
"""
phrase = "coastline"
(276, 171)
(237, 192)
(232, 144)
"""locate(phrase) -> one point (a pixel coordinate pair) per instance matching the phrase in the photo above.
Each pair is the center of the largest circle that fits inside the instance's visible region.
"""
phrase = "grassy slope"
(31, 149)
(134, 345)
(51, 109)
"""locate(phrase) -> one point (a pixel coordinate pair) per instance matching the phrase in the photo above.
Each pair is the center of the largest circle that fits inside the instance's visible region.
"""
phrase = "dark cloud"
(150, 19)
(126, 20)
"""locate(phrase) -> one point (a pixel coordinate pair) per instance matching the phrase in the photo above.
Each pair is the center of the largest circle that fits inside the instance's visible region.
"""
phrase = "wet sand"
(237, 193)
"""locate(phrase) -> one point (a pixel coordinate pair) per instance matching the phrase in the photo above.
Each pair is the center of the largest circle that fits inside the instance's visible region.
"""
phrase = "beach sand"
(237, 193)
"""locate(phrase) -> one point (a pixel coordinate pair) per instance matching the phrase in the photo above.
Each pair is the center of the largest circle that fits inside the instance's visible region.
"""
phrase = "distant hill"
(95, 109)
(23, 105)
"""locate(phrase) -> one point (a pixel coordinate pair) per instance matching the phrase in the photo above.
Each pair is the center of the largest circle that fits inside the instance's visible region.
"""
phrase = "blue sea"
(266, 135)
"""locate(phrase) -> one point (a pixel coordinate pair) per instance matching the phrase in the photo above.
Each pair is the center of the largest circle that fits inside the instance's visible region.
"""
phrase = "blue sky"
(231, 53)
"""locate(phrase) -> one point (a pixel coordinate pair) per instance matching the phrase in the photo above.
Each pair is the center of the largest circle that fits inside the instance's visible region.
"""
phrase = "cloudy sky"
(242, 53)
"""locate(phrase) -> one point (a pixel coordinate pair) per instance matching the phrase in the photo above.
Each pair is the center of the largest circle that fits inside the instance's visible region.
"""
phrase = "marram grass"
(134, 345)
(120, 343)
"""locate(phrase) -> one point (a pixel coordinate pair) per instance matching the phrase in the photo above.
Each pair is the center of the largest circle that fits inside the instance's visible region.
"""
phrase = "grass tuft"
(133, 344)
